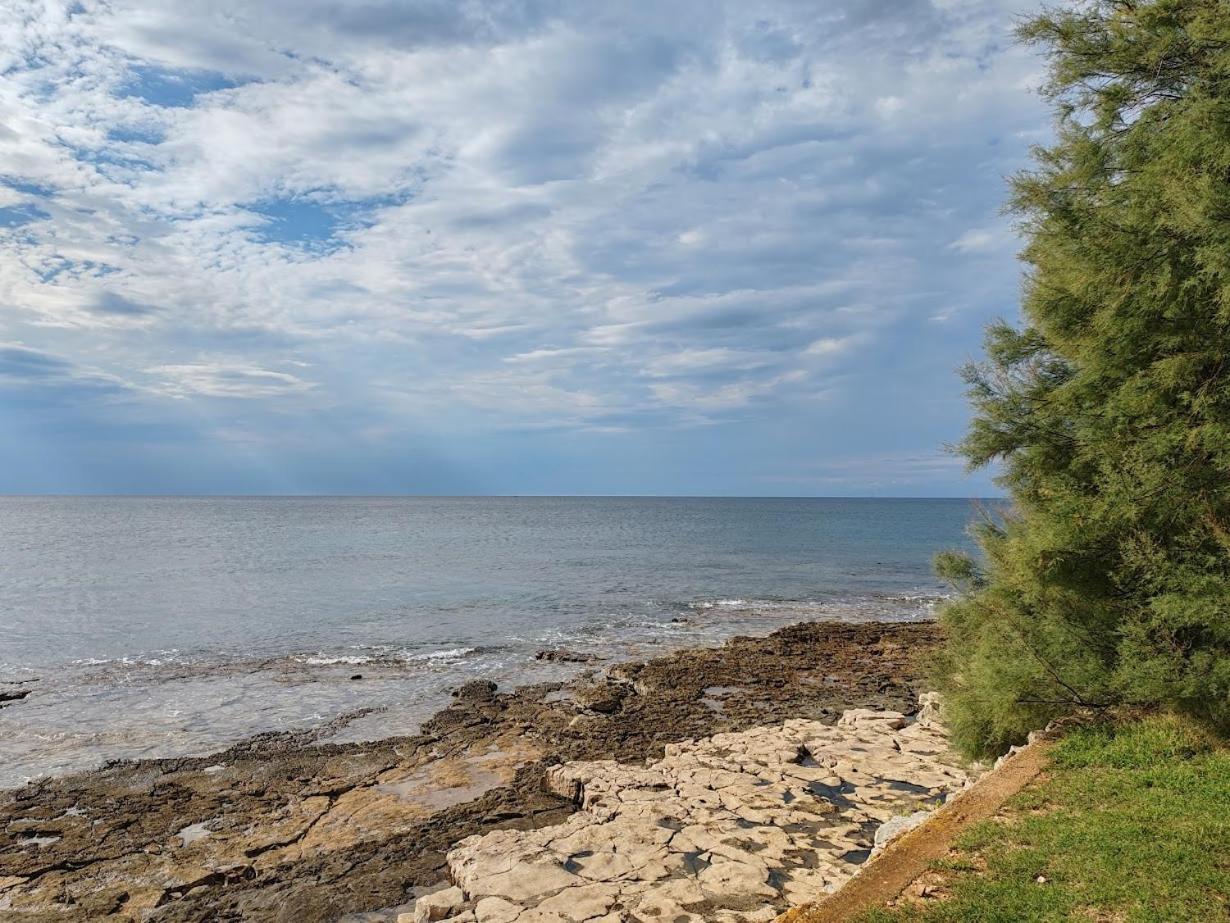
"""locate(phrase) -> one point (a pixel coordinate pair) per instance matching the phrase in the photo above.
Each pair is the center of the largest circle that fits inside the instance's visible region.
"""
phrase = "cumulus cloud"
(464, 217)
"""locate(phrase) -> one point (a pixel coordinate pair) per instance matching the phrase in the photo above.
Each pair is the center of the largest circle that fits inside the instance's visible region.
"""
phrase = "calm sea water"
(164, 626)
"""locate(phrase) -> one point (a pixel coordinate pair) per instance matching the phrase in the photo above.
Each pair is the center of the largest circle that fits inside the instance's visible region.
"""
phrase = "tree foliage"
(1109, 409)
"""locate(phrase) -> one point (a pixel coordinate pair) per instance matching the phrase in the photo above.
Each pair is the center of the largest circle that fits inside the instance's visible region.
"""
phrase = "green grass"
(1132, 823)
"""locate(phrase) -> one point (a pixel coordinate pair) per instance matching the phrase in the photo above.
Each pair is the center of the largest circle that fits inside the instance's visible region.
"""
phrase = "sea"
(169, 626)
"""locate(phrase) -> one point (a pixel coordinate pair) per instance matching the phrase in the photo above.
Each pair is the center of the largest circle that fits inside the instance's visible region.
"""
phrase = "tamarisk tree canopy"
(1109, 408)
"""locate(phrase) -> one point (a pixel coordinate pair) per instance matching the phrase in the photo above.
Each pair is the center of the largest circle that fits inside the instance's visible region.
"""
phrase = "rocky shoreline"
(282, 829)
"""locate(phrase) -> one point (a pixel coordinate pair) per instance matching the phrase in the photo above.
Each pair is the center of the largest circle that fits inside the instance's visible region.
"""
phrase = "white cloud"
(549, 355)
(690, 361)
(724, 397)
(226, 380)
(551, 213)
(832, 346)
(984, 240)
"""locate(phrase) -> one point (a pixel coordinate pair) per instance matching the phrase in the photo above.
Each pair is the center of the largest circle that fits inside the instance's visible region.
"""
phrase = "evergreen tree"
(1109, 409)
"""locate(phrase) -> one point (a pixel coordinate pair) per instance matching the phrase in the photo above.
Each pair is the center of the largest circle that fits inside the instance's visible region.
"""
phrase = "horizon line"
(491, 496)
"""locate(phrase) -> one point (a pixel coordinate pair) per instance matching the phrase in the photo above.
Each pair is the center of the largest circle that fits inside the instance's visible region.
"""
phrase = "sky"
(503, 246)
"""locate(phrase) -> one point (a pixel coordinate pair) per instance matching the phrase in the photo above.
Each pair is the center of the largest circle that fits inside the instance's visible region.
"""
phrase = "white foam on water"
(141, 659)
(454, 653)
(383, 655)
(321, 660)
(875, 606)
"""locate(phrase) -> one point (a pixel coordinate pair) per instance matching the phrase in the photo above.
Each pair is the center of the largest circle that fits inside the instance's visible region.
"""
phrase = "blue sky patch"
(27, 188)
(110, 157)
(302, 221)
(57, 265)
(14, 216)
(173, 89)
(296, 221)
(138, 134)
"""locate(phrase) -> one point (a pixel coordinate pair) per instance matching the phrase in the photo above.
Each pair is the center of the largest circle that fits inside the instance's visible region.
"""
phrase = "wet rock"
(12, 692)
(476, 690)
(561, 655)
(586, 725)
(603, 698)
(625, 672)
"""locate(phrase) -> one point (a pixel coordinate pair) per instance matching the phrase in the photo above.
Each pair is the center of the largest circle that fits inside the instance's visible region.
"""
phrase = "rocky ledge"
(734, 827)
(286, 828)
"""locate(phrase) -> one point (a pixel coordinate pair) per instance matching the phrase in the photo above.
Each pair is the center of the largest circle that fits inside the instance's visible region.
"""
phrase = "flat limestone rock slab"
(736, 826)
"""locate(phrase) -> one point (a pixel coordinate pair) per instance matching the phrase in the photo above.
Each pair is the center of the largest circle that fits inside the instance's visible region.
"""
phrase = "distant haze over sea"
(167, 625)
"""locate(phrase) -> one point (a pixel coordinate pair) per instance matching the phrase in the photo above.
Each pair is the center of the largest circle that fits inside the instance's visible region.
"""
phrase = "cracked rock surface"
(733, 827)
(286, 828)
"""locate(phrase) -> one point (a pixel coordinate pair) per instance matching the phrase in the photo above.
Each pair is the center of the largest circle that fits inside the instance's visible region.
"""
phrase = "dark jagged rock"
(476, 690)
(560, 655)
(604, 698)
(8, 696)
(11, 692)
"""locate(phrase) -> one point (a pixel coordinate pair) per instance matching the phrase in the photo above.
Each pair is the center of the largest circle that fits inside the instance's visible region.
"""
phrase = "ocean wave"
(147, 659)
(453, 653)
(172, 665)
(869, 606)
(322, 660)
(385, 655)
(919, 597)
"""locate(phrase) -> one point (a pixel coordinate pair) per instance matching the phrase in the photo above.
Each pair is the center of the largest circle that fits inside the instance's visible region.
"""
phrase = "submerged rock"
(561, 655)
(13, 692)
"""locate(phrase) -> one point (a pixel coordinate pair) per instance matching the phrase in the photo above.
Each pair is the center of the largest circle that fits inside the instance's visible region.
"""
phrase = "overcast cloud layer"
(516, 246)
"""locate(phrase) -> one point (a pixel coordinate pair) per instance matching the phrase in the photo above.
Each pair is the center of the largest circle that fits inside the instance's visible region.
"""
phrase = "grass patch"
(1131, 823)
